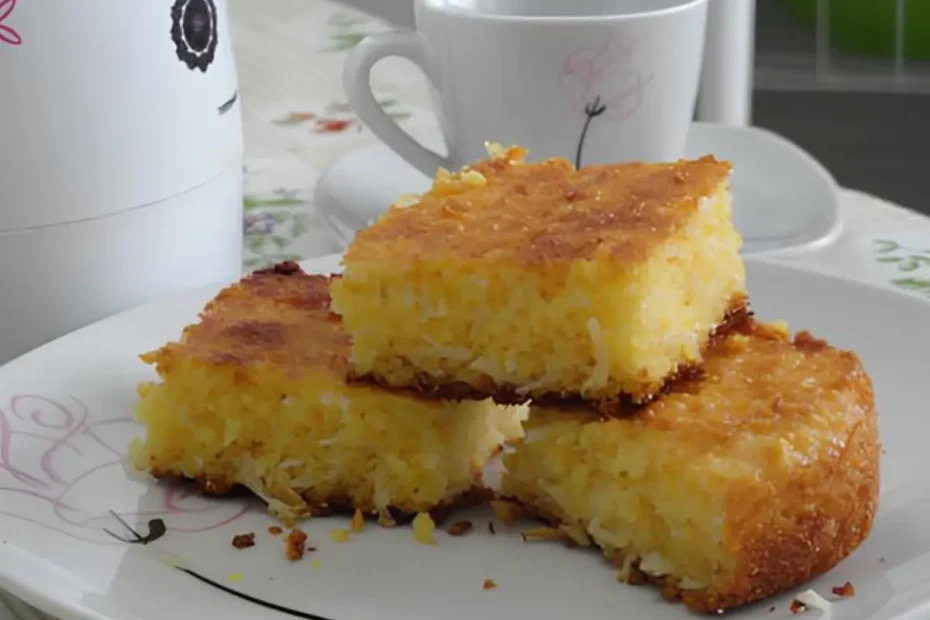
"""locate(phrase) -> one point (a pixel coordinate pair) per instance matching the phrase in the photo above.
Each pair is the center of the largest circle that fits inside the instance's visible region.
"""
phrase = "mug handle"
(356, 77)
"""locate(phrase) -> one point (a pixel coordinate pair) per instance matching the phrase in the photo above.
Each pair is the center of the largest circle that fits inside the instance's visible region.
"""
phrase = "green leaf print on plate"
(906, 260)
(918, 285)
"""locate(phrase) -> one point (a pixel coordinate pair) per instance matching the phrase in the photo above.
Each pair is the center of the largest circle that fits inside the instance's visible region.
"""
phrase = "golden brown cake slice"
(749, 481)
(254, 395)
(513, 280)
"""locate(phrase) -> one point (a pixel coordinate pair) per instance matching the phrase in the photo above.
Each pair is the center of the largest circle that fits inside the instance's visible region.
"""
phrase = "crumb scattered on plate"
(235, 577)
(244, 541)
(846, 590)
(491, 527)
(489, 584)
(460, 528)
(543, 533)
(275, 530)
(424, 529)
(294, 544)
(358, 521)
(340, 535)
(507, 512)
(810, 599)
(315, 563)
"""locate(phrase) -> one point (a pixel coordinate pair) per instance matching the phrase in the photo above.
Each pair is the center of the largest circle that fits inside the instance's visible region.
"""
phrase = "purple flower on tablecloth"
(258, 224)
(272, 225)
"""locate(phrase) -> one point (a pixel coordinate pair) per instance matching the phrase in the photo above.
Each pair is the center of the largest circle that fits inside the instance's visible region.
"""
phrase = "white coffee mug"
(593, 81)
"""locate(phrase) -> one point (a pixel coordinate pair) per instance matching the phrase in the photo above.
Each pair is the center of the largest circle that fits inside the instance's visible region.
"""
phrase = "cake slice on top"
(516, 280)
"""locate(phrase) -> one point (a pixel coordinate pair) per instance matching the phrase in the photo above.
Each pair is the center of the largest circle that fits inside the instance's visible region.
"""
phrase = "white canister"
(120, 159)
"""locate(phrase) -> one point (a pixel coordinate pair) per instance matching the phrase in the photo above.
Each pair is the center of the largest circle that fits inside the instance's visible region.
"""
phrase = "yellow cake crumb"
(424, 529)
(358, 521)
(506, 512)
(340, 535)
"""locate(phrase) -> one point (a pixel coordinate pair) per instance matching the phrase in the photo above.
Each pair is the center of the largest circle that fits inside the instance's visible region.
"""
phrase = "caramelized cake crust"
(501, 209)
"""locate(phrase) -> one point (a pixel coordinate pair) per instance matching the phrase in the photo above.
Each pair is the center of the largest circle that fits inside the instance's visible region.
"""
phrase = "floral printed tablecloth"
(297, 122)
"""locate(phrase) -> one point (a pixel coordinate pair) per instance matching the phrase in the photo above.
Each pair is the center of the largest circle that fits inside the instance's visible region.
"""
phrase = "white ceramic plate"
(65, 423)
(784, 200)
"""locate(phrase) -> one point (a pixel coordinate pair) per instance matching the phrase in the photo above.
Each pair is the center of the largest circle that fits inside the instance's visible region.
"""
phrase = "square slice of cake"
(254, 395)
(751, 480)
(513, 279)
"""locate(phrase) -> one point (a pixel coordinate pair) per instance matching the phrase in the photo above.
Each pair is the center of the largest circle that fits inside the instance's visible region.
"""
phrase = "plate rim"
(25, 585)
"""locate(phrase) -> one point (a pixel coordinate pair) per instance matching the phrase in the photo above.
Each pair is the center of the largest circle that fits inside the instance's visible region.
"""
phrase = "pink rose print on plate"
(7, 34)
(601, 80)
(54, 459)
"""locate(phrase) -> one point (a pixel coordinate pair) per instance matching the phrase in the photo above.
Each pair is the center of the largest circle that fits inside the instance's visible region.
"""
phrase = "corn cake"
(513, 279)
(748, 481)
(254, 395)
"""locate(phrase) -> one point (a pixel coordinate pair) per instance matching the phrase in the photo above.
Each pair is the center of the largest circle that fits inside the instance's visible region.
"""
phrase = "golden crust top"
(759, 381)
(278, 316)
(504, 209)
(755, 381)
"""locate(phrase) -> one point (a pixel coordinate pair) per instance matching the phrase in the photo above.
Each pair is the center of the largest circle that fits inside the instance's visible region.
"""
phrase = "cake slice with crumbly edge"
(254, 395)
(748, 481)
(519, 280)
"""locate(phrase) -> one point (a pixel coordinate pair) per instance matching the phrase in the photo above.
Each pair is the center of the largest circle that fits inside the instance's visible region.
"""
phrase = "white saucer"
(784, 199)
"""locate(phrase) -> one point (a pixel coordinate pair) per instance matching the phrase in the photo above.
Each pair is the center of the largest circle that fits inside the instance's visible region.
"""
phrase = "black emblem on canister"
(194, 31)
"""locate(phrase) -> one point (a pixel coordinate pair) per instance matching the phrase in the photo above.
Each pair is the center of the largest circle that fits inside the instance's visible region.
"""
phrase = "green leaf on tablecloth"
(298, 227)
(886, 245)
(918, 285)
(256, 243)
(346, 20)
(280, 242)
(253, 202)
(344, 41)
